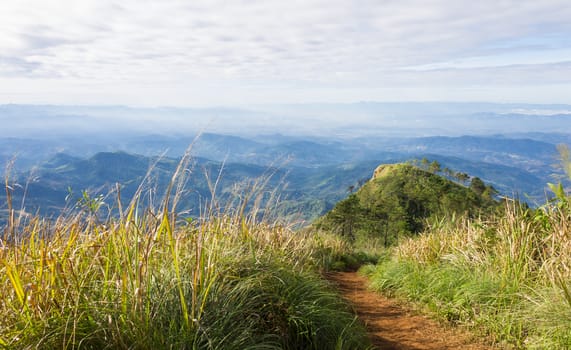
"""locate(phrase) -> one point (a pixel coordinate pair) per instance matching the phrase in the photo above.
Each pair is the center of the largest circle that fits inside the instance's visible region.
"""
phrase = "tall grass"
(508, 275)
(148, 279)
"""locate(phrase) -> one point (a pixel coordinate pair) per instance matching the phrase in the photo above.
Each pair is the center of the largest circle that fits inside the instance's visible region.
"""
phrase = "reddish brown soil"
(391, 326)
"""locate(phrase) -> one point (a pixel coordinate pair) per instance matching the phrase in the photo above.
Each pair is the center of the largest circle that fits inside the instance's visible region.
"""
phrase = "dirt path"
(390, 326)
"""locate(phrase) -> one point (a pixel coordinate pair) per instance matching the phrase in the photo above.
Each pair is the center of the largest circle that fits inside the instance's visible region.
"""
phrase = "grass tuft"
(507, 276)
(147, 279)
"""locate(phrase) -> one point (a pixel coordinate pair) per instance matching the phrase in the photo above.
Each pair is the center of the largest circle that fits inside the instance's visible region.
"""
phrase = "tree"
(448, 172)
(462, 177)
(346, 215)
(490, 192)
(478, 186)
(434, 167)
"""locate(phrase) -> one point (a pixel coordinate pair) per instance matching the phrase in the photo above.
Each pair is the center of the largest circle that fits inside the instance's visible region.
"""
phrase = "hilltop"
(399, 198)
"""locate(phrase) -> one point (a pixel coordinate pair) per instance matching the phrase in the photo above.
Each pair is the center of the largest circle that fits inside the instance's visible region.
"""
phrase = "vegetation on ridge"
(398, 200)
(506, 275)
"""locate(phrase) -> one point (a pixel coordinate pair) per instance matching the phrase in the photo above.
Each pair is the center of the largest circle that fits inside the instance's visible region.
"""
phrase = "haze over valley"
(294, 86)
(315, 153)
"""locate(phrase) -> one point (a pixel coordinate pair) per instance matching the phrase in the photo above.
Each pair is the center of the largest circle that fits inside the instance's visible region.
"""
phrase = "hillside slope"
(399, 199)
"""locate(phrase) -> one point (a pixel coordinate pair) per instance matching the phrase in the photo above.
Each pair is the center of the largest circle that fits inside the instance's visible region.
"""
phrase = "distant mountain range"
(310, 175)
(347, 120)
(305, 192)
(315, 152)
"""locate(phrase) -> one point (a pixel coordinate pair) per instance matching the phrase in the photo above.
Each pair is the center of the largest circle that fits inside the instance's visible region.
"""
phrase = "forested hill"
(400, 197)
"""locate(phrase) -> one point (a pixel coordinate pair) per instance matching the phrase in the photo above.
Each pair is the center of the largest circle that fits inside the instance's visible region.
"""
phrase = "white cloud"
(144, 46)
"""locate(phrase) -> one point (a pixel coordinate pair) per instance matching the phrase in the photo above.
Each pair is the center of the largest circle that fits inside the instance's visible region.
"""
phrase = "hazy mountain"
(527, 154)
(324, 120)
(305, 192)
(315, 151)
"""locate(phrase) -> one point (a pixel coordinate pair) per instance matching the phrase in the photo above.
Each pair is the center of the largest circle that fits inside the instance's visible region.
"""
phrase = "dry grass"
(508, 275)
(149, 278)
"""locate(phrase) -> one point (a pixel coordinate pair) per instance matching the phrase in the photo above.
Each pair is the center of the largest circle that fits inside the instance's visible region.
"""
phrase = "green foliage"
(462, 177)
(434, 167)
(477, 185)
(353, 260)
(507, 275)
(346, 215)
(397, 202)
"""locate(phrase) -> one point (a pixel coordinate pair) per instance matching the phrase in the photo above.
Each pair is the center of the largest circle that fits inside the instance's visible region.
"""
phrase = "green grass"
(506, 277)
(148, 279)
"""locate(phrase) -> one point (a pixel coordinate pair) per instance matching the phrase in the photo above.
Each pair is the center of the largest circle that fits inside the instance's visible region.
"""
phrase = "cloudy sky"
(243, 52)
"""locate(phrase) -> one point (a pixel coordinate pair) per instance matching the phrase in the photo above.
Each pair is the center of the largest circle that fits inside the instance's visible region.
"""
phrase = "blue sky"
(202, 53)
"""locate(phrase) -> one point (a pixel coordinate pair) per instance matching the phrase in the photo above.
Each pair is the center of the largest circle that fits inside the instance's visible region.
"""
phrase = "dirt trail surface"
(390, 326)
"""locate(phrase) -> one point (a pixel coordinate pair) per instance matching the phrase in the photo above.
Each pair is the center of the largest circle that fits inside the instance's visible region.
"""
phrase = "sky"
(233, 53)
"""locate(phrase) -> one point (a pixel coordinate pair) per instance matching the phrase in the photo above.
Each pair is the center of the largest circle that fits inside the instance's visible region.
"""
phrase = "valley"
(311, 174)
